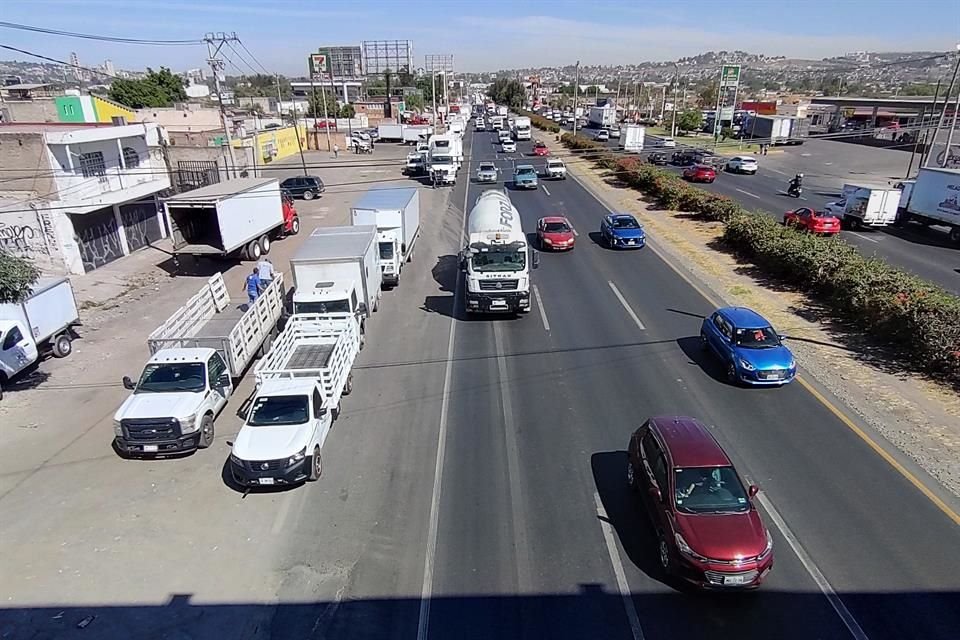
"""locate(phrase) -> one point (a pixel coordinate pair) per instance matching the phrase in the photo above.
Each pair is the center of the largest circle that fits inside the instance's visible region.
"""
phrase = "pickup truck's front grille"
(266, 465)
(151, 429)
(498, 285)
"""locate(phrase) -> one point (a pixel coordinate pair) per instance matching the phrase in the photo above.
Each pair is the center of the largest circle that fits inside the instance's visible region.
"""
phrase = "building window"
(68, 109)
(92, 164)
(131, 158)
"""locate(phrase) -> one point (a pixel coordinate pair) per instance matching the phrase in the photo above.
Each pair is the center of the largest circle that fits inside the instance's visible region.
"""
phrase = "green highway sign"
(730, 75)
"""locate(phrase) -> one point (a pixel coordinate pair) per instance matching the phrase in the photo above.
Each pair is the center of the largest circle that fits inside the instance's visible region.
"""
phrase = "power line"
(88, 36)
(67, 64)
(244, 60)
(253, 57)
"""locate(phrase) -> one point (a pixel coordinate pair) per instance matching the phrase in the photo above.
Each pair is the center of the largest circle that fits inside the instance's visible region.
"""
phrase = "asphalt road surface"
(474, 486)
(927, 253)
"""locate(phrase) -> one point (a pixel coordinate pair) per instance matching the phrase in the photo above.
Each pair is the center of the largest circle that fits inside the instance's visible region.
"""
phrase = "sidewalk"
(104, 287)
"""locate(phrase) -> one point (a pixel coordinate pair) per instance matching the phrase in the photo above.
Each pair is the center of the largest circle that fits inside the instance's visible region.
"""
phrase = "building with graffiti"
(76, 196)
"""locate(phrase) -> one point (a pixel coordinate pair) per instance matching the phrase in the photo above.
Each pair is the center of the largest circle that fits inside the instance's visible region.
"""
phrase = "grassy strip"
(920, 320)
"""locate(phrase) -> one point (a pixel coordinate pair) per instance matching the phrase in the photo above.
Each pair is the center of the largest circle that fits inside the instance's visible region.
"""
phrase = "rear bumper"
(509, 302)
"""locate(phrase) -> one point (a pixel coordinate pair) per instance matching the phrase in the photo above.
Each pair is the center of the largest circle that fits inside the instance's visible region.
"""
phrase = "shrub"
(539, 121)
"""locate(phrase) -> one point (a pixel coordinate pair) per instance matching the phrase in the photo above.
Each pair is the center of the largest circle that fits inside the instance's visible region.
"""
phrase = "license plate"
(266, 480)
(149, 448)
(498, 303)
(772, 376)
(631, 242)
(734, 580)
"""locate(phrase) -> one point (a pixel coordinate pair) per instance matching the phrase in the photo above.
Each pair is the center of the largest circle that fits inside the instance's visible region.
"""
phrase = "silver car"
(487, 172)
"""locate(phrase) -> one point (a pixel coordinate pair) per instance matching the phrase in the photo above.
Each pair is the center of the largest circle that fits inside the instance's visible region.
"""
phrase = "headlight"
(767, 549)
(117, 428)
(686, 550)
(235, 460)
(746, 365)
(297, 457)
(792, 364)
(547, 241)
(188, 424)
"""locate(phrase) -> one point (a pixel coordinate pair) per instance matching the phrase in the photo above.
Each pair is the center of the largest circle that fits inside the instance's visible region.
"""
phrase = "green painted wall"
(69, 109)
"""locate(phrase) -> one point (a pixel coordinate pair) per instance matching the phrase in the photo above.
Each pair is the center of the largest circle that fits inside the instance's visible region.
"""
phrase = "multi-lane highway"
(926, 253)
(537, 534)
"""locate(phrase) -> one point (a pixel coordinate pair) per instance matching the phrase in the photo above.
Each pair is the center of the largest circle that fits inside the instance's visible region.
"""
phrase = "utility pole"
(925, 148)
(676, 81)
(576, 90)
(616, 101)
(953, 126)
(433, 90)
(663, 103)
(943, 113)
(279, 98)
(216, 66)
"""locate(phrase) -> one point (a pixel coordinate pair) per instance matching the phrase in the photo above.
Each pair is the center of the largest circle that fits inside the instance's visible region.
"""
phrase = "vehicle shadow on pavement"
(445, 273)
(702, 358)
(196, 266)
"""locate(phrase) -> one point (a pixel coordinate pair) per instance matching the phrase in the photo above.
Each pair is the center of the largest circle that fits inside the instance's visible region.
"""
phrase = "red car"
(700, 173)
(813, 221)
(555, 232)
(540, 149)
(709, 532)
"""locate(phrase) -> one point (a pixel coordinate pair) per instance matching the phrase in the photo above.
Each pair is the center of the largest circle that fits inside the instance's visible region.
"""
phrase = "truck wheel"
(295, 226)
(265, 244)
(308, 195)
(348, 387)
(62, 346)
(253, 250)
(955, 234)
(316, 465)
(206, 432)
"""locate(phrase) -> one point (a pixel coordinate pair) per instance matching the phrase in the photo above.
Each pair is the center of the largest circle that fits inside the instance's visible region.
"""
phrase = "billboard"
(382, 55)
(729, 75)
(318, 64)
(768, 108)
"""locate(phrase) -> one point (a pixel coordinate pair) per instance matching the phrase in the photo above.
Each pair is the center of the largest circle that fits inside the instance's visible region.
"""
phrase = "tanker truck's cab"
(497, 259)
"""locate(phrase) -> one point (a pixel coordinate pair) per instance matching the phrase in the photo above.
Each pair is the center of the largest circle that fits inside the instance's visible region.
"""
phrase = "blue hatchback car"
(749, 348)
(622, 231)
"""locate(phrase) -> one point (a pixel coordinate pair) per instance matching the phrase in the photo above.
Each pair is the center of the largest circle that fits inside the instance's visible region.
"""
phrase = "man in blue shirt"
(253, 285)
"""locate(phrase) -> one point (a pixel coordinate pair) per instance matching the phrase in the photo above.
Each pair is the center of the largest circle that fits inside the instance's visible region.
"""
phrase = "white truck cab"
(174, 402)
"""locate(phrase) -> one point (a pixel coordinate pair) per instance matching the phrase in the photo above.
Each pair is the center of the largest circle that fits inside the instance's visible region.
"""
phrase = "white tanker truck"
(497, 259)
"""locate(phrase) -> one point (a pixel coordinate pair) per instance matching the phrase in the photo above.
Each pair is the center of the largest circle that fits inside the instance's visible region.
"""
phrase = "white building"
(76, 197)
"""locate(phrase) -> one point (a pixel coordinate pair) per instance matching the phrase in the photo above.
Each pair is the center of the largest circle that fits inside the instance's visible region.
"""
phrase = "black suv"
(307, 187)
(657, 157)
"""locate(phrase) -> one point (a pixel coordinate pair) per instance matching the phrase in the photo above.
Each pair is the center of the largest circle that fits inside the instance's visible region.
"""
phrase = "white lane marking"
(622, 585)
(841, 609)
(520, 544)
(543, 312)
(626, 306)
(868, 239)
(545, 189)
(426, 590)
(747, 193)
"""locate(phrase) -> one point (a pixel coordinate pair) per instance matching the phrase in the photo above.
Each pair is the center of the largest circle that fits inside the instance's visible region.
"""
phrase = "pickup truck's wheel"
(316, 465)
(295, 226)
(265, 244)
(62, 346)
(348, 387)
(308, 195)
(206, 432)
(253, 250)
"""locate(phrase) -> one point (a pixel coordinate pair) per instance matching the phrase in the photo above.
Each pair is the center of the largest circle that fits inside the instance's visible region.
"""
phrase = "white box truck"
(601, 117)
(865, 205)
(239, 217)
(196, 357)
(297, 397)
(497, 259)
(396, 215)
(41, 323)
(442, 159)
(632, 138)
(391, 132)
(336, 273)
(521, 128)
(412, 134)
(933, 198)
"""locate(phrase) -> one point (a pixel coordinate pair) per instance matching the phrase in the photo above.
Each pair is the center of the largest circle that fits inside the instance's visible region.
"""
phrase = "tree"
(425, 85)
(708, 95)
(260, 85)
(17, 277)
(405, 78)
(919, 89)
(157, 89)
(690, 120)
(508, 92)
(347, 111)
(413, 101)
(315, 104)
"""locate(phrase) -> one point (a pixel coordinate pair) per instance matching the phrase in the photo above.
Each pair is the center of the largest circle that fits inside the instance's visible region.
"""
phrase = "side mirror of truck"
(224, 380)
(128, 383)
(536, 259)
(362, 308)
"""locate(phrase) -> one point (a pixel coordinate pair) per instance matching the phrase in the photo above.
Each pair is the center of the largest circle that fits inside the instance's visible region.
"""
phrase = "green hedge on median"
(896, 308)
(540, 122)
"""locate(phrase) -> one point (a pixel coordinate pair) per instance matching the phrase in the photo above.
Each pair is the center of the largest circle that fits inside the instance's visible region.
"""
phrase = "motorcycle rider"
(796, 183)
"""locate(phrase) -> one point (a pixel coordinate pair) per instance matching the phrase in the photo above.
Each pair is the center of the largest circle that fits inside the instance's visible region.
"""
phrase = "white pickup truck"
(555, 170)
(297, 398)
(195, 357)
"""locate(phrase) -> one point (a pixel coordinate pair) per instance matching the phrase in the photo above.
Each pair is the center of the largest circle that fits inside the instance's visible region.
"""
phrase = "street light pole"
(576, 90)
(673, 124)
(943, 112)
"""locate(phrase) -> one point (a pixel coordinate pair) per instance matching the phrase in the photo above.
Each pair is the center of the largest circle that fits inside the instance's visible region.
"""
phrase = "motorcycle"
(794, 190)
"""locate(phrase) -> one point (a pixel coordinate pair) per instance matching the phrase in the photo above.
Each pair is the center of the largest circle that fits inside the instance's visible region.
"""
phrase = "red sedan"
(540, 149)
(555, 232)
(700, 173)
(813, 221)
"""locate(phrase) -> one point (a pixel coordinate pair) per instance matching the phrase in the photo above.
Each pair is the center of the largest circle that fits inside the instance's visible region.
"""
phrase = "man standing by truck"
(253, 285)
(265, 271)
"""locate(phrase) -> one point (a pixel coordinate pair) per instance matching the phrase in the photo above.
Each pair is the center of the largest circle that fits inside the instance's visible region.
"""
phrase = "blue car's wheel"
(732, 374)
(704, 345)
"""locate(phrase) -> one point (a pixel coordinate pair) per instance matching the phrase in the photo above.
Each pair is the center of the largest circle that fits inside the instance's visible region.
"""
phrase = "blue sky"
(483, 34)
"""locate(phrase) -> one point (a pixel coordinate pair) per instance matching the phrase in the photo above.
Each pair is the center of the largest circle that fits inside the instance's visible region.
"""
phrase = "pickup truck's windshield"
(386, 251)
(172, 377)
(327, 306)
(487, 261)
(272, 411)
(527, 171)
